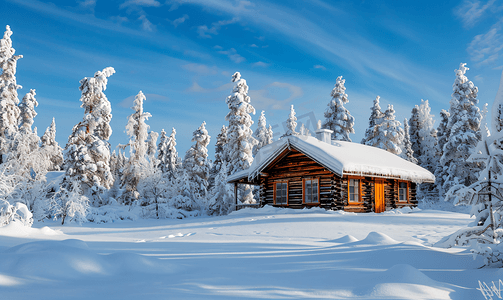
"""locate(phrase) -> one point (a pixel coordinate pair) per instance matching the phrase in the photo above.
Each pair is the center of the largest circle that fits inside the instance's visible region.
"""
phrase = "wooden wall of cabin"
(367, 190)
(412, 199)
(293, 167)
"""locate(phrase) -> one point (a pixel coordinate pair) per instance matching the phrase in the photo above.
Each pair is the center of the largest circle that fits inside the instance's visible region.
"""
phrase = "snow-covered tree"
(337, 117)
(291, 123)
(222, 199)
(50, 149)
(87, 153)
(152, 146)
(388, 133)
(375, 120)
(414, 128)
(9, 110)
(167, 156)
(196, 163)
(407, 152)
(239, 134)
(464, 133)
(137, 164)
(69, 203)
(28, 113)
(442, 137)
(262, 134)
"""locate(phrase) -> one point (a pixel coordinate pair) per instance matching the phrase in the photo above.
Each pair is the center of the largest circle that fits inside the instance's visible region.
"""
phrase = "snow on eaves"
(342, 158)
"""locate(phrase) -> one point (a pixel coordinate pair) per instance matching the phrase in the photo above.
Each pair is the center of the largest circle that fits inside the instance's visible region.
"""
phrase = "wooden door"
(379, 196)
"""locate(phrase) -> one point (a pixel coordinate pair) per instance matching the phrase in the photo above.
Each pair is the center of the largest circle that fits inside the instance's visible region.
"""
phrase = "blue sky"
(182, 54)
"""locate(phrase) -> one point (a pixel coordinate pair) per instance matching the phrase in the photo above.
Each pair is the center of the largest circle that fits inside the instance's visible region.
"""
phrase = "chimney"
(324, 135)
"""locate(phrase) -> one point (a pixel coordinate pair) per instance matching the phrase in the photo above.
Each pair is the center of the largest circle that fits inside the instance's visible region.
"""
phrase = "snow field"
(268, 253)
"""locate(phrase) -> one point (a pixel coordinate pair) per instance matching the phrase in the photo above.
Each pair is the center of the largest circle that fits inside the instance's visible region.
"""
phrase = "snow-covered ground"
(267, 253)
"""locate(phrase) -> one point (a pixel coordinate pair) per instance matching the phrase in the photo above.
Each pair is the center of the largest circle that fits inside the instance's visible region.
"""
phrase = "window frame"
(317, 179)
(407, 198)
(274, 192)
(360, 198)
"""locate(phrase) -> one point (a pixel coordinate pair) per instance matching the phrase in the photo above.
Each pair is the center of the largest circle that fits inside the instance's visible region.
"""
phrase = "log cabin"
(301, 171)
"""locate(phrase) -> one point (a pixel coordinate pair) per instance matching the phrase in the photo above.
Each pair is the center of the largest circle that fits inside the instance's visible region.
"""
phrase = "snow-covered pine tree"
(25, 142)
(414, 127)
(137, 164)
(50, 149)
(262, 134)
(389, 134)
(196, 164)
(442, 137)
(87, 153)
(407, 152)
(9, 110)
(222, 198)
(291, 123)
(375, 120)
(169, 161)
(426, 141)
(239, 134)
(220, 154)
(337, 117)
(152, 146)
(464, 133)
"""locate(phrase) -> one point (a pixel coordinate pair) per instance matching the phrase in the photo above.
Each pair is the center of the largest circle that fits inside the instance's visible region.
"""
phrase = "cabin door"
(379, 196)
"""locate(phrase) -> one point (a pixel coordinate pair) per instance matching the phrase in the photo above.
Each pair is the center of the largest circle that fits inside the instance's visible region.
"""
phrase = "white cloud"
(253, 46)
(263, 99)
(319, 67)
(87, 5)
(196, 88)
(233, 55)
(261, 64)
(147, 3)
(180, 20)
(486, 48)
(470, 12)
(200, 69)
(146, 24)
(206, 32)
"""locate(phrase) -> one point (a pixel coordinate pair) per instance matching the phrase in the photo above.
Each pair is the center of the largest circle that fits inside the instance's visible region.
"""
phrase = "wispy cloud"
(486, 48)
(145, 3)
(200, 69)
(470, 12)
(319, 67)
(88, 5)
(146, 24)
(206, 32)
(196, 88)
(233, 55)
(263, 99)
(261, 64)
(180, 20)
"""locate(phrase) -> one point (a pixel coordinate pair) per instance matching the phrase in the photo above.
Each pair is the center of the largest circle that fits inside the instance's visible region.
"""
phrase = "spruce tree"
(389, 133)
(50, 149)
(337, 117)
(407, 152)
(375, 120)
(262, 134)
(87, 153)
(9, 110)
(240, 140)
(137, 164)
(169, 161)
(196, 163)
(442, 137)
(291, 123)
(464, 133)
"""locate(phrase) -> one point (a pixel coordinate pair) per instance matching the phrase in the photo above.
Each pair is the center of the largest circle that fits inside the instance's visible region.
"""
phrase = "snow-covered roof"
(342, 158)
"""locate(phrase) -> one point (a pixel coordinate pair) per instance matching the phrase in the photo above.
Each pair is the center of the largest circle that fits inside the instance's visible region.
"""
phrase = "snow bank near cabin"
(72, 259)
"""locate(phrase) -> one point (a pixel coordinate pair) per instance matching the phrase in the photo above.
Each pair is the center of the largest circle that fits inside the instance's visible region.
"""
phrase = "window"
(354, 190)
(403, 192)
(311, 191)
(281, 193)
